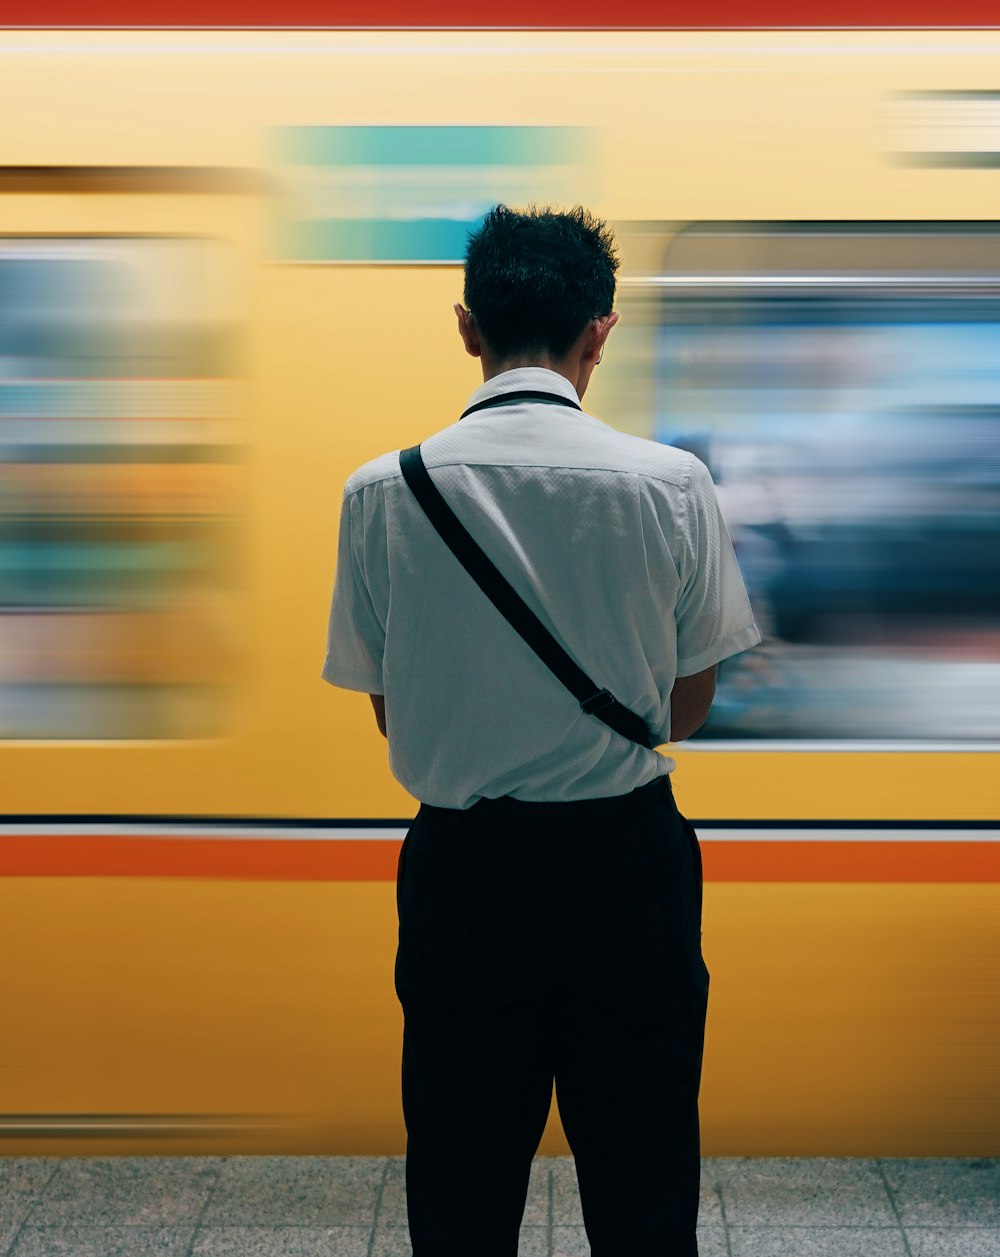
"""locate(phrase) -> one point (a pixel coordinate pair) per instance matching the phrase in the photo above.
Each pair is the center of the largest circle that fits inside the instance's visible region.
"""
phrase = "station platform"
(281, 1206)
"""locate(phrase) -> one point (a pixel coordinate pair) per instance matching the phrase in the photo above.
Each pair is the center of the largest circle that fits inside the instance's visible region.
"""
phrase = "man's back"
(616, 543)
(549, 890)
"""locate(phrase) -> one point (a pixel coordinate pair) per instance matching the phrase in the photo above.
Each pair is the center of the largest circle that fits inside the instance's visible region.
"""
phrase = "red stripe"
(526, 14)
(311, 860)
(358, 860)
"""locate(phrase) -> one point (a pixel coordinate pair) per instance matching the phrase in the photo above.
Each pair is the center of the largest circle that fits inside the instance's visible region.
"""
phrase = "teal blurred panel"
(388, 240)
(429, 146)
(412, 194)
(34, 556)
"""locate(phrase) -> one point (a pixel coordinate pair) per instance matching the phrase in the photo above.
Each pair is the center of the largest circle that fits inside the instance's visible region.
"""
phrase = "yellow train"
(227, 266)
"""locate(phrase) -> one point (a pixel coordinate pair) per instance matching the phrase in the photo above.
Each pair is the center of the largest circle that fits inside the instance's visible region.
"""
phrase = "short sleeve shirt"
(616, 543)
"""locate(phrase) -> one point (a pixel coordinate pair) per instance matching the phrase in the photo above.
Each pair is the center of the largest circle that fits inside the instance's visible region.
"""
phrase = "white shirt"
(616, 543)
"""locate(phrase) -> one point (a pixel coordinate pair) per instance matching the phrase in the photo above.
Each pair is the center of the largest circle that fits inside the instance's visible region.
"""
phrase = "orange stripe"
(272, 860)
(358, 860)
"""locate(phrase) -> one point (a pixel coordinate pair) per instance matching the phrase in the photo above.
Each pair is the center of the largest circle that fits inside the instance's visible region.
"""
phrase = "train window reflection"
(847, 402)
(119, 487)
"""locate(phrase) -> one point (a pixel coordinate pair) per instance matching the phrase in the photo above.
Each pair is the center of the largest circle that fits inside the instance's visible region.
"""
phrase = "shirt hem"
(352, 681)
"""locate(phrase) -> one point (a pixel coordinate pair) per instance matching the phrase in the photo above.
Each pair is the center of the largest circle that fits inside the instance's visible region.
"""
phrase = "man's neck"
(568, 370)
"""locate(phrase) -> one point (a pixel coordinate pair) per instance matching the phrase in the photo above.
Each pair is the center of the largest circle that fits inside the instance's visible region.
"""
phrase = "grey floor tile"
(280, 1206)
(710, 1206)
(78, 1240)
(13, 1212)
(570, 1241)
(282, 1241)
(959, 1241)
(712, 1241)
(296, 1191)
(25, 1175)
(533, 1242)
(710, 1168)
(536, 1207)
(392, 1211)
(126, 1191)
(803, 1191)
(22, 1180)
(953, 1191)
(566, 1211)
(392, 1241)
(815, 1241)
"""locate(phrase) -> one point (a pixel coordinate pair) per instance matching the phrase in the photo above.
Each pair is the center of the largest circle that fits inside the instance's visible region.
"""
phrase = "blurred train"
(227, 265)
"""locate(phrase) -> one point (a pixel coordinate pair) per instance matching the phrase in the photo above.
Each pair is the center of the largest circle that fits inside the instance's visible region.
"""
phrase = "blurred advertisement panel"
(412, 194)
(119, 487)
(842, 383)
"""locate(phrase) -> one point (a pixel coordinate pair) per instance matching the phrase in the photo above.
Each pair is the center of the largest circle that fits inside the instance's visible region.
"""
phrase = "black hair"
(534, 280)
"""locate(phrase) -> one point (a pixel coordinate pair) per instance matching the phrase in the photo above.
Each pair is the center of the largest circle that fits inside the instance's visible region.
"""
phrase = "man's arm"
(378, 702)
(690, 701)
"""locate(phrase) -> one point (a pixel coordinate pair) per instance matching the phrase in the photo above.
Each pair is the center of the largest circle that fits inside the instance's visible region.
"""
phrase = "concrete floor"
(356, 1207)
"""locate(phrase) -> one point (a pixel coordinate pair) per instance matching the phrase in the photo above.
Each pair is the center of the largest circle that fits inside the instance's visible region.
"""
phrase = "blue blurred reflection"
(853, 430)
(117, 490)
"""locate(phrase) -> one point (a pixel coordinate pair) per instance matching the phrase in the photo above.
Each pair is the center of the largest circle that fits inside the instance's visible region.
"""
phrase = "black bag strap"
(507, 399)
(596, 702)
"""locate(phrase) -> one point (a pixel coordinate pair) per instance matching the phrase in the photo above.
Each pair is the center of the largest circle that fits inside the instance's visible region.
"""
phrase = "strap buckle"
(597, 702)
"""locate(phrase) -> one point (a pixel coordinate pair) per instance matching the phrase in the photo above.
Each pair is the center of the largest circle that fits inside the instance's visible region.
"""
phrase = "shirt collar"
(536, 379)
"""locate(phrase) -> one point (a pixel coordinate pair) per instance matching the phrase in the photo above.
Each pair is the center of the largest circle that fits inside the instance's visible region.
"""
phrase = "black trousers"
(543, 942)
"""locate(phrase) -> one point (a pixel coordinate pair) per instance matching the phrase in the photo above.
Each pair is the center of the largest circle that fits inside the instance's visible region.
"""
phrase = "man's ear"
(595, 334)
(467, 330)
(606, 324)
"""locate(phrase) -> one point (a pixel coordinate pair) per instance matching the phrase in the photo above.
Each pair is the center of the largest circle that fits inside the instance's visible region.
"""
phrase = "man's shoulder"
(604, 447)
(655, 460)
(373, 472)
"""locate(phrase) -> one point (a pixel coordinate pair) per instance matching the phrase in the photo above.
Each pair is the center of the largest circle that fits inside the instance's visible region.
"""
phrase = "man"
(549, 891)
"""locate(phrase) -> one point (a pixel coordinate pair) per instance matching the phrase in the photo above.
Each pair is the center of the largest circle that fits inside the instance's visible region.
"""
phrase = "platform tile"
(25, 1176)
(282, 1241)
(945, 1191)
(712, 1241)
(533, 1242)
(537, 1205)
(956, 1241)
(709, 1206)
(80, 1240)
(22, 1180)
(566, 1210)
(392, 1208)
(571, 1241)
(126, 1191)
(13, 1212)
(816, 1241)
(391, 1241)
(275, 1191)
(780, 1192)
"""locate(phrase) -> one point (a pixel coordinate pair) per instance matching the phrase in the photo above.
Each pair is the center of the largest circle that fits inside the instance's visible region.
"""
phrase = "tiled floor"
(356, 1207)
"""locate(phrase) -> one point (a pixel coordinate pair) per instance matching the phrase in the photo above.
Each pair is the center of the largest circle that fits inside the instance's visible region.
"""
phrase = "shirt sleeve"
(355, 642)
(714, 616)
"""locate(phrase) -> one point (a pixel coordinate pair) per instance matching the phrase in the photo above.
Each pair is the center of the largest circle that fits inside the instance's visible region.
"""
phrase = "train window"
(842, 382)
(119, 487)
